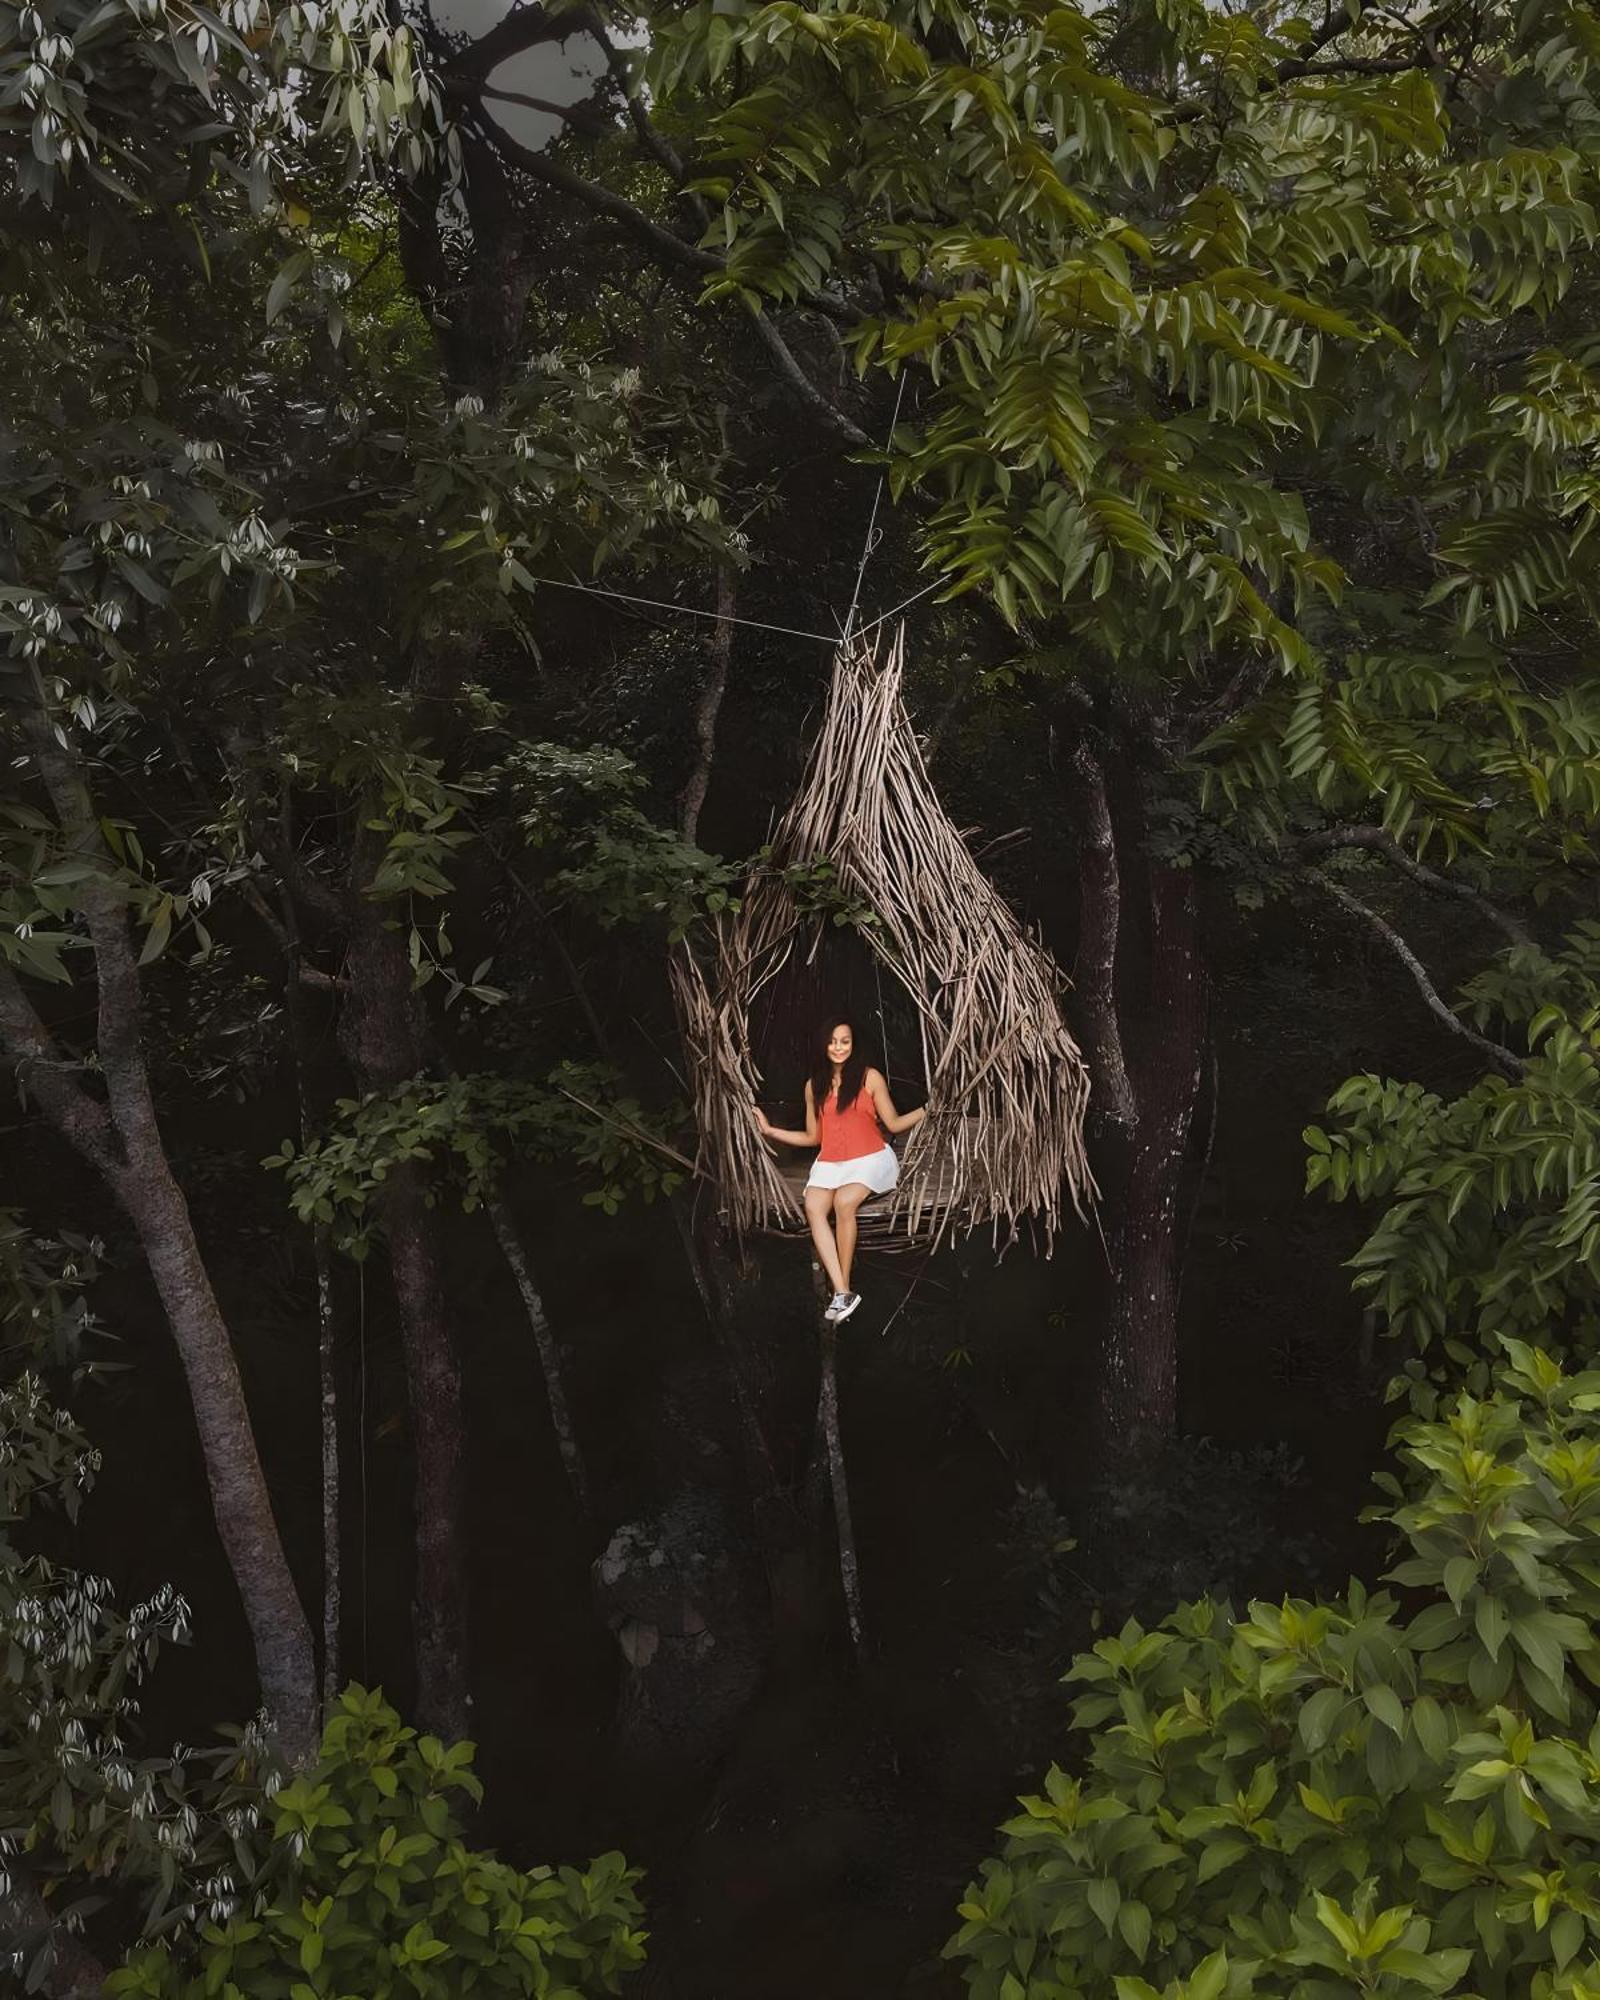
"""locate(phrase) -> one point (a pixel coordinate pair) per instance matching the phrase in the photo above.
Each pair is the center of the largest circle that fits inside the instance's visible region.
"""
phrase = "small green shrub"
(369, 1893)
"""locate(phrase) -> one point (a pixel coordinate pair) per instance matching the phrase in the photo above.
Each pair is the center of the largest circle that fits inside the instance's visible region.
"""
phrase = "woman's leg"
(846, 1205)
(819, 1201)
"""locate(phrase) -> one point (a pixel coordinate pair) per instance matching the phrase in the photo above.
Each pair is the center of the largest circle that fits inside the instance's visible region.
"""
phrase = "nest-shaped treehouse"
(1005, 1085)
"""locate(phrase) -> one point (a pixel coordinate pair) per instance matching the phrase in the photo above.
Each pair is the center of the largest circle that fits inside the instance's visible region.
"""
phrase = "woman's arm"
(890, 1119)
(806, 1138)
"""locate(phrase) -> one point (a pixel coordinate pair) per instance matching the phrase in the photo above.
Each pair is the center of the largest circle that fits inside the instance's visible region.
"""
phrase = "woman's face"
(841, 1044)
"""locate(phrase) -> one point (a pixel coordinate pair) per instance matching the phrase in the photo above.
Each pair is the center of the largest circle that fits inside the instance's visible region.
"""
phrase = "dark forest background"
(409, 544)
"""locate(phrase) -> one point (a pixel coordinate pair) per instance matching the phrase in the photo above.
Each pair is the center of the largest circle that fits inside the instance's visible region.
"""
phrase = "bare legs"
(819, 1206)
(835, 1251)
(846, 1203)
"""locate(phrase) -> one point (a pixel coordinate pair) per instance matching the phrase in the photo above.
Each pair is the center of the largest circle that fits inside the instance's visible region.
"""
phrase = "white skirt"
(878, 1171)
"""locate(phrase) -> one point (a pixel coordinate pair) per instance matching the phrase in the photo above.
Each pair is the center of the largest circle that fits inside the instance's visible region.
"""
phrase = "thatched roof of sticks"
(1003, 1139)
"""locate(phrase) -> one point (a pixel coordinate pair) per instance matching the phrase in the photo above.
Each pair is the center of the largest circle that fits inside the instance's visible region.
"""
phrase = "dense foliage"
(1388, 1794)
(1491, 1197)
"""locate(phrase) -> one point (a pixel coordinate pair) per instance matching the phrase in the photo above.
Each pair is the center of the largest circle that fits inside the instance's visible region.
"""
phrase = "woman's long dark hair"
(851, 1077)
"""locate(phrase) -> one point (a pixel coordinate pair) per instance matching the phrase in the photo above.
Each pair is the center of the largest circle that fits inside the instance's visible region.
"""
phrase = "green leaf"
(289, 274)
(1567, 1933)
(1431, 1728)
(1493, 1622)
(1322, 1711)
(1386, 1705)
(1105, 1899)
(1133, 1920)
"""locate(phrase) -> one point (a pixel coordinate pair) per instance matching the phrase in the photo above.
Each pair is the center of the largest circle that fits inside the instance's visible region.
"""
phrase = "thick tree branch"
(655, 143)
(1378, 840)
(673, 248)
(46, 1076)
(592, 123)
(689, 257)
(1099, 925)
(140, 1175)
(1244, 685)
(298, 879)
(117, 1041)
(306, 974)
(1504, 1059)
(522, 28)
(553, 173)
(802, 384)
(1338, 23)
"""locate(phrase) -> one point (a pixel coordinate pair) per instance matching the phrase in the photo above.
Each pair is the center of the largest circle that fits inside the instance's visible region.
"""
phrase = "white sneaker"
(844, 1305)
(831, 1311)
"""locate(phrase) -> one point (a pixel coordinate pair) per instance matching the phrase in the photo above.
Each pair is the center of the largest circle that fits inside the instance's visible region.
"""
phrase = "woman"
(848, 1111)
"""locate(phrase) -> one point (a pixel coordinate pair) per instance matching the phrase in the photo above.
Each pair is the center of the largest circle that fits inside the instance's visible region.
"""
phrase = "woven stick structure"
(1007, 1087)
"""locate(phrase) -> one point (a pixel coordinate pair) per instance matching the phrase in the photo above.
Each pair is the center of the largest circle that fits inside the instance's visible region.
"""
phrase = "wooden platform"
(884, 1216)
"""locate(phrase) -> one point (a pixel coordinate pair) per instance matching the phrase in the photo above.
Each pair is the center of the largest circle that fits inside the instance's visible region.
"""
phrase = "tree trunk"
(122, 1140)
(708, 707)
(332, 1550)
(239, 1497)
(1147, 1051)
(433, 1387)
(544, 1341)
(381, 1032)
(139, 1176)
(327, 1326)
(1138, 1389)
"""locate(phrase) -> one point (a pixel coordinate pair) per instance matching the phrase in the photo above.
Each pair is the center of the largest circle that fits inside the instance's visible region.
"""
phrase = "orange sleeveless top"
(852, 1133)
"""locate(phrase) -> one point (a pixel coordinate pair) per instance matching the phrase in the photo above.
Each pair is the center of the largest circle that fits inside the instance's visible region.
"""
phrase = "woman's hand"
(763, 1123)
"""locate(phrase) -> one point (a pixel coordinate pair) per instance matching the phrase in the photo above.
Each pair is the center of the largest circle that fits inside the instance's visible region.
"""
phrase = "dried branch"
(839, 1487)
(1378, 840)
(288, 931)
(1504, 1059)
